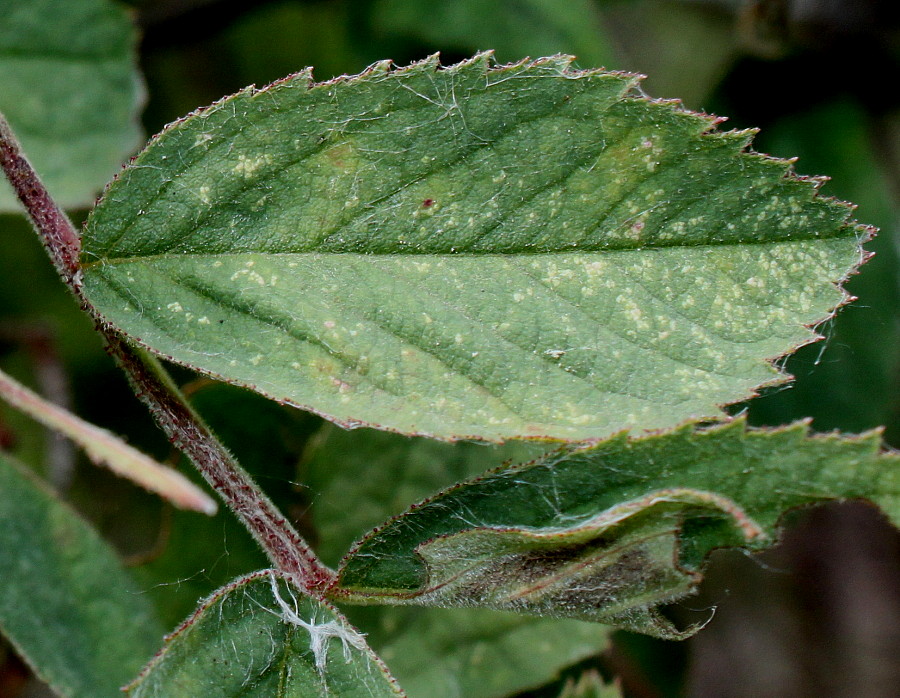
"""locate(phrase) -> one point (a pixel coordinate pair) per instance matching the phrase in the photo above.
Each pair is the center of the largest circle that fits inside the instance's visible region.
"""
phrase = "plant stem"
(54, 228)
(285, 547)
(188, 432)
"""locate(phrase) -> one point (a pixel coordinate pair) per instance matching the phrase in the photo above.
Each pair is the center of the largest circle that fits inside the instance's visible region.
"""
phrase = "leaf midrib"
(842, 232)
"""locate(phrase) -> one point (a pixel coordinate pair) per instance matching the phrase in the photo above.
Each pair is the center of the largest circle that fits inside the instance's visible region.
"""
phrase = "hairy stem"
(184, 428)
(54, 228)
(187, 431)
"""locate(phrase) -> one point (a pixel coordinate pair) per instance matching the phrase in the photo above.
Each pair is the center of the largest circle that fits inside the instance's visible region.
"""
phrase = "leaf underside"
(243, 642)
(611, 531)
(476, 251)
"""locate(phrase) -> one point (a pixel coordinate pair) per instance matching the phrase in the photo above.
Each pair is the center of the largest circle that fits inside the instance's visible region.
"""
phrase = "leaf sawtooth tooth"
(476, 251)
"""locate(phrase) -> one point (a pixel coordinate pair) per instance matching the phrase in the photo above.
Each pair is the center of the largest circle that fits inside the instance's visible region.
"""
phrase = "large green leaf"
(70, 88)
(610, 531)
(255, 637)
(66, 603)
(523, 251)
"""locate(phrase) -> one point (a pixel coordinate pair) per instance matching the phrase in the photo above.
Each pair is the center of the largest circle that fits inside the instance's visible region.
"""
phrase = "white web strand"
(319, 633)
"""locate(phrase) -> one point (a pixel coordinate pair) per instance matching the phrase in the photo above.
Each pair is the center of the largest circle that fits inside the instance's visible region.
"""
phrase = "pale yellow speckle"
(203, 320)
(247, 166)
(175, 307)
(250, 274)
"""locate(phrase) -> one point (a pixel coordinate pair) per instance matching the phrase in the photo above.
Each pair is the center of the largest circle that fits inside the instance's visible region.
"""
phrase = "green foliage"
(521, 255)
(468, 252)
(434, 653)
(590, 685)
(383, 474)
(255, 638)
(204, 553)
(609, 531)
(66, 603)
(70, 87)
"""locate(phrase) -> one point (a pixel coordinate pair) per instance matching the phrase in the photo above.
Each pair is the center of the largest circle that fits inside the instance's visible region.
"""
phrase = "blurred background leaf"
(70, 88)
(67, 604)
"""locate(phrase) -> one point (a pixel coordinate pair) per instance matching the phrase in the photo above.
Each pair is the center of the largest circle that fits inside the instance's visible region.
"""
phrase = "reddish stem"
(53, 226)
(185, 429)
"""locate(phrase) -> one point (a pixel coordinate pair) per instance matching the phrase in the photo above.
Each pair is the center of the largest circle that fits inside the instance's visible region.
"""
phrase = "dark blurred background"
(818, 615)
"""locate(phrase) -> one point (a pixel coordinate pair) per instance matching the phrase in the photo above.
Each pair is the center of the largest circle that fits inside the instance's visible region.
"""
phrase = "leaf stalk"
(155, 388)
